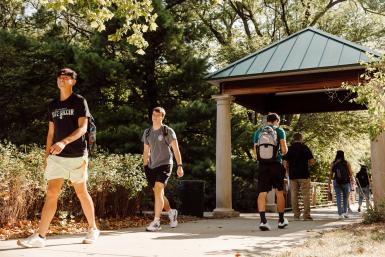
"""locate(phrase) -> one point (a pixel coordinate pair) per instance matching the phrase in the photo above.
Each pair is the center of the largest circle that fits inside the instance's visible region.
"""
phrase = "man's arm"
(51, 129)
(283, 146)
(80, 131)
(146, 154)
(178, 157)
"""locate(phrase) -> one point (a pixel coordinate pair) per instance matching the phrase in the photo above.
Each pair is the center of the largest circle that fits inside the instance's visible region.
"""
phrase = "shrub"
(115, 184)
(375, 214)
(21, 182)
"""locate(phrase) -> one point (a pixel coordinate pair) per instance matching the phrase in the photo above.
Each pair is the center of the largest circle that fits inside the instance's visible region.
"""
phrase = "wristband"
(180, 165)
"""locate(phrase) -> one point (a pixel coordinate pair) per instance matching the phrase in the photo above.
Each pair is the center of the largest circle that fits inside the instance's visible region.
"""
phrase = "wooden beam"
(291, 83)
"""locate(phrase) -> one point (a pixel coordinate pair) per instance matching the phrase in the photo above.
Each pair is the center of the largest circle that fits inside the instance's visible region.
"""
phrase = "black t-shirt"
(65, 115)
(363, 179)
(298, 156)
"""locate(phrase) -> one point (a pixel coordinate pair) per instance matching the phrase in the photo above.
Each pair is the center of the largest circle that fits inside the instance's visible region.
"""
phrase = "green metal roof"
(307, 49)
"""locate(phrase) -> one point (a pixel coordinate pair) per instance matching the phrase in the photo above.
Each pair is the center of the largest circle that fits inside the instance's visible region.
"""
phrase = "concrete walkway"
(209, 237)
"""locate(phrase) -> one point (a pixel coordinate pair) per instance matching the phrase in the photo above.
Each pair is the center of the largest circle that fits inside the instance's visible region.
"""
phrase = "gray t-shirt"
(160, 146)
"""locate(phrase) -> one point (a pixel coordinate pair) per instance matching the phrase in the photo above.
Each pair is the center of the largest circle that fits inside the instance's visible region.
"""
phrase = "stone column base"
(271, 207)
(225, 213)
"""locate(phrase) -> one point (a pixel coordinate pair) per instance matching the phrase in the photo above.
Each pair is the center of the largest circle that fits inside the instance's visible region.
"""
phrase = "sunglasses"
(65, 73)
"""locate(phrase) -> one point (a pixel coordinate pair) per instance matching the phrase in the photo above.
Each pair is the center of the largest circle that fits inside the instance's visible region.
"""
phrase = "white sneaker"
(173, 215)
(92, 236)
(283, 224)
(264, 226)
(154, 226)
(33, 240)
(345, 215)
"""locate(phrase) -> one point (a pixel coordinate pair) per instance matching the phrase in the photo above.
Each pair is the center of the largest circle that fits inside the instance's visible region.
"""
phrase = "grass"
(352, 240)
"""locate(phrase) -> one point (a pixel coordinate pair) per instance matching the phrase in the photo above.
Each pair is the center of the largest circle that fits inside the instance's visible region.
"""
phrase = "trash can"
(191, 193)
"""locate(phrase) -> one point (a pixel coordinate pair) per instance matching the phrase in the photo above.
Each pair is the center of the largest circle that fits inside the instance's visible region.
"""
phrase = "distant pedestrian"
(269, 146)
(341, 173)
(297, 161)
(363, 181)
(158, 161)
(66, 157)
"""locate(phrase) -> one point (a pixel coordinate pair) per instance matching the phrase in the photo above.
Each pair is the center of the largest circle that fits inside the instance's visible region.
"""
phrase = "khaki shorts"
(74, 169)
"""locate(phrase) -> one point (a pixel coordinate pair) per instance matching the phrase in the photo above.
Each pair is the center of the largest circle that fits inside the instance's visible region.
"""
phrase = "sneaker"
(154, 226)
(92, 236)
(340, 217)
(283, 224)
(350, 210)
(32, 241)
(264, 226)
(359, 209)
(345, 215)
(308, 218)
(173, 215)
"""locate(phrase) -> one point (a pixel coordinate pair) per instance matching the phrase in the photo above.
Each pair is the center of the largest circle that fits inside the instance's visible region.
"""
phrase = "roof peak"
(297, 52)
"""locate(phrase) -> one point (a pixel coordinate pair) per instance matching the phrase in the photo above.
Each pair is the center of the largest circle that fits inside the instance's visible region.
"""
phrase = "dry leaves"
(76, 226)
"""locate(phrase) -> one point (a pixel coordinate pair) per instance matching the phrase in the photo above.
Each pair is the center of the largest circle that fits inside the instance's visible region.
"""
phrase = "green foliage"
(371, 93)
(21, 182)
(115, 183)
(138, 17)
(347, 131)
(375, 214)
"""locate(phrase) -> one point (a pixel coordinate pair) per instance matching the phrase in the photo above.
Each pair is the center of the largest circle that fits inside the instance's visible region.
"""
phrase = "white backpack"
(267, 145)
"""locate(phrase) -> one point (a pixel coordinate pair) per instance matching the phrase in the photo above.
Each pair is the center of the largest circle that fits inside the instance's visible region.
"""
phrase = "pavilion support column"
(223, 158)
(378, 168)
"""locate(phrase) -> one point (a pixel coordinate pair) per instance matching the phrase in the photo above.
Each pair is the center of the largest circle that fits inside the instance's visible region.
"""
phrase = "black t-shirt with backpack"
(363, 178)
(65, 115)
(341, 172)
(298, 157)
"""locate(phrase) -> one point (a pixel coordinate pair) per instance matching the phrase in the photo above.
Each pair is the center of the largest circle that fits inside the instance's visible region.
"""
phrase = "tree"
(138, 17)
(371, 92)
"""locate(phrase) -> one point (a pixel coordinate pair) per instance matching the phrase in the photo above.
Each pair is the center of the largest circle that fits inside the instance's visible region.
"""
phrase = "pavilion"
(302, 73)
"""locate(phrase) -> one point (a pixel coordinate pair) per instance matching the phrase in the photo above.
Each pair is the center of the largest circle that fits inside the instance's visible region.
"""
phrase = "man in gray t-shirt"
(158, 161)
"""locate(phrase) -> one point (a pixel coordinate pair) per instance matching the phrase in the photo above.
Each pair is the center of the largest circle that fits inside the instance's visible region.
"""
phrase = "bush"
(115, 184)
(375, 214)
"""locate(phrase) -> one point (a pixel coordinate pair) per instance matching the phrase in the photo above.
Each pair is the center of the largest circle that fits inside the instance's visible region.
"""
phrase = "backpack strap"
(165, 134)
(147, 133)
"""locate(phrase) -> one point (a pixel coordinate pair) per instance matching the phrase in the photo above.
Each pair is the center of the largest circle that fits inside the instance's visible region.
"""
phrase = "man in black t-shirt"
(363, 180)
(66, 157)
(297, 161)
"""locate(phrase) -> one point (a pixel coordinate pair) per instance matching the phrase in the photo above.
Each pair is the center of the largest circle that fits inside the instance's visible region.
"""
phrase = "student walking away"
(269, 146)
(342, 175)
(363, 188)
(158, 162)
(297, 161)
(66, 157)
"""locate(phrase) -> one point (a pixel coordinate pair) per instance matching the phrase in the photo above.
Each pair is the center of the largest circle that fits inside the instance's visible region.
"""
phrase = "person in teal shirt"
(272, 174)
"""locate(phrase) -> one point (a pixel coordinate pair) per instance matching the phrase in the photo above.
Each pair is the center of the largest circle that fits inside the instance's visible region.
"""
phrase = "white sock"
(170, 211)
(156, 219)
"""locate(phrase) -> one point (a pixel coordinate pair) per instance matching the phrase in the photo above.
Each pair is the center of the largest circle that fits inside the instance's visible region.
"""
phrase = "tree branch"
(283, 17)
(322, 13)
(238, 8)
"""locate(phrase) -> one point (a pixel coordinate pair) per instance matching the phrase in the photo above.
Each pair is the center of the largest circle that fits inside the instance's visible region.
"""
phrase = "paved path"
(209, 237)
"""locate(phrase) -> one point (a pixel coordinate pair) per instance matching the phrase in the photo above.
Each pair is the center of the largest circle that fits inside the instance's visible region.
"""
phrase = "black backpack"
(91, 135)
(341, 172)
